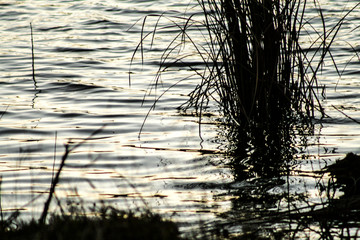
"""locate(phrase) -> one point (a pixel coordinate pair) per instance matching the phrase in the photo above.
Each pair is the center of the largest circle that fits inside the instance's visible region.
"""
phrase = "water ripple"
(82, 57)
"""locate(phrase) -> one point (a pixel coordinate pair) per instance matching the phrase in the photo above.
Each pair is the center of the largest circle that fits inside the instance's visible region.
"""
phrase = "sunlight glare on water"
(82, 59)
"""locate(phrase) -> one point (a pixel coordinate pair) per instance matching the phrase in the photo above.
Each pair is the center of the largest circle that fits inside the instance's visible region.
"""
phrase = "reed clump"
(255, 66)
(259, 68)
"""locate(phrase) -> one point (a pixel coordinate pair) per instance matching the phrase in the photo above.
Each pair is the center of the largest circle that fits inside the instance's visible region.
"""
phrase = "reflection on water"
(271, 197)
(262, 164)
(82, 55)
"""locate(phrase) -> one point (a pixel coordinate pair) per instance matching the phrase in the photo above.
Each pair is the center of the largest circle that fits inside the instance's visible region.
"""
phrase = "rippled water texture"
(82, 59)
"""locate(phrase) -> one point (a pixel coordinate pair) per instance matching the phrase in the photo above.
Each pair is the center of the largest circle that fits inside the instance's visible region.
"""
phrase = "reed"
(76, 222)
(260, 67)
(69, 148)
(255, 65)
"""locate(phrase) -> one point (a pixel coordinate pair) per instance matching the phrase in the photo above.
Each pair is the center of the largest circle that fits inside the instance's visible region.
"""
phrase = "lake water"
(83, 51)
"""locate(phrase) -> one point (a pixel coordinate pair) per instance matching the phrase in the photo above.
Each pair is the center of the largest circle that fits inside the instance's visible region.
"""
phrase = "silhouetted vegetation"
(265, 84)
(109, 223)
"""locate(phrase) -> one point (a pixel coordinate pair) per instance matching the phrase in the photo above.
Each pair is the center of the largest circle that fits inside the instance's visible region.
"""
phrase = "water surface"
(83, 51)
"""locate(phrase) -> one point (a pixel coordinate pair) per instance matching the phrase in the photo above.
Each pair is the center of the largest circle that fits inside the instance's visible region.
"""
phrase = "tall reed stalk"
(260, 67)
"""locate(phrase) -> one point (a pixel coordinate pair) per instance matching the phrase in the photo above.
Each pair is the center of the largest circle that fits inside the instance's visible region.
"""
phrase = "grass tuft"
(109, 223)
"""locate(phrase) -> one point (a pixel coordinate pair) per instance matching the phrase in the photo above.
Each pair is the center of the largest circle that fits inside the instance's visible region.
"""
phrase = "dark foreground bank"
(108, 223)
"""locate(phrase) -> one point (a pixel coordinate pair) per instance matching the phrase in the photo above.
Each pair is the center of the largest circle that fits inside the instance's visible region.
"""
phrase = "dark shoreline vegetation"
(108, 224)
(264, 82)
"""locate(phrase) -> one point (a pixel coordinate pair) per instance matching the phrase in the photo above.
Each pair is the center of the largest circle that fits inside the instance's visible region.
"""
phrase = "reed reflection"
(265, 204)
